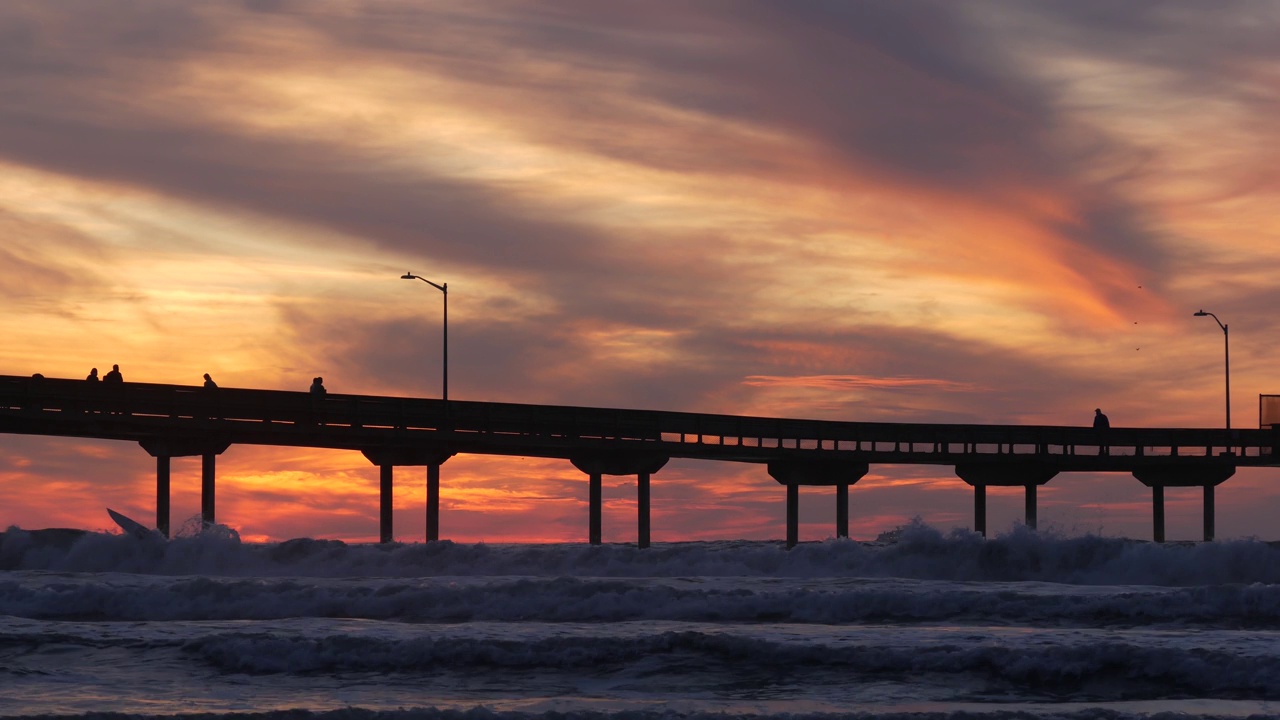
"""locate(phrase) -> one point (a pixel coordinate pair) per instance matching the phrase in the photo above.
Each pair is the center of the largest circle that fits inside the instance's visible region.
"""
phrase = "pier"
(170, 421)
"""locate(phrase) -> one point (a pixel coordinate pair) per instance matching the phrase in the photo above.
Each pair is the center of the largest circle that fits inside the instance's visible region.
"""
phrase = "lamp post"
(1226, 349)
(444, 288)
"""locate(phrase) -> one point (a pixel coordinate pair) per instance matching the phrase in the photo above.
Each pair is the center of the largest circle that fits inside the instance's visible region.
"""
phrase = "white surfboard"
(131, 526)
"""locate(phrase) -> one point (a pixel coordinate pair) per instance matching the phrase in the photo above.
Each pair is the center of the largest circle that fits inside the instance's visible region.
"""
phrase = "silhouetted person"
(114, 376)
(211, 394)
(1102, 425)
(317, 400)
(93, 375)
(35, 384)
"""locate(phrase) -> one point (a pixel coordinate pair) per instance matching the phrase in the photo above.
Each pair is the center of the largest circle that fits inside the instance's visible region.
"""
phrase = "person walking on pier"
(317, 389)
(209, 384)
(114, 376)
(1102, 425)
(93, 375)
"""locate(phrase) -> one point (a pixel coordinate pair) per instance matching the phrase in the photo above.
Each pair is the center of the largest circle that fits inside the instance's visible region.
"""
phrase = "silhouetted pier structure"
(177, 421)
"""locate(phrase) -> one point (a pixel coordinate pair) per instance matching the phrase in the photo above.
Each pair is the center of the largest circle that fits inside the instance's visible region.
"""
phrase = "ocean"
(923, 624)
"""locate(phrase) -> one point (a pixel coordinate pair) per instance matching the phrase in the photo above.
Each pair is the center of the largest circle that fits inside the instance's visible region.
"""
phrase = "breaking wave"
(920, 552)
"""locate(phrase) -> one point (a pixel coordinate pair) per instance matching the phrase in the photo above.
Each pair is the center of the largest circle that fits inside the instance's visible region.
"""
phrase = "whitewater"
(928, 624)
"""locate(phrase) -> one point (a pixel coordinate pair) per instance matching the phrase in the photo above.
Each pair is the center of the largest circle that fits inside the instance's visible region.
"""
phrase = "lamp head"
(1201, 314)
(408, 276)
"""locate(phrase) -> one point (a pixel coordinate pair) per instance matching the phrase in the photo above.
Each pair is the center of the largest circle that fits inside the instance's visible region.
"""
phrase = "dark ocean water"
(928, 625)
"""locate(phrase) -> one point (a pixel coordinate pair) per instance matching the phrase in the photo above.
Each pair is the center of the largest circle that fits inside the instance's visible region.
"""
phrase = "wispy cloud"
(859, 382)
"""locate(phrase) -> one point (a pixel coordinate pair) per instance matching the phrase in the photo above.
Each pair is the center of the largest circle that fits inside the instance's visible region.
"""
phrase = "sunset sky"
(987, 212)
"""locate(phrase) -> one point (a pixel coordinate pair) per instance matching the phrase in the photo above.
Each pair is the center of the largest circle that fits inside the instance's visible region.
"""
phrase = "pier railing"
(138, 411)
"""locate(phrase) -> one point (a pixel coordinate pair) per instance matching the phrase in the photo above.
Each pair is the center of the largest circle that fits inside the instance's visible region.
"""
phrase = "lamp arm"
(410, 276)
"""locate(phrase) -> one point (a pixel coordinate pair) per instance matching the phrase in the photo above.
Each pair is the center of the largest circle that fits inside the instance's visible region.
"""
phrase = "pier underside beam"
(1029, 475)
(824, 472)
(596, 464)
(1159, 478)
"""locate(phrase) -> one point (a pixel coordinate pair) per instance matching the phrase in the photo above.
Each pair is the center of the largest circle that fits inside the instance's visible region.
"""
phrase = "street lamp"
(1226, 349)
(444, 289)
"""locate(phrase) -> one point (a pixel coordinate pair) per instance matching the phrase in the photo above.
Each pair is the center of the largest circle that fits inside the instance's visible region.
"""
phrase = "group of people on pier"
(114, 376)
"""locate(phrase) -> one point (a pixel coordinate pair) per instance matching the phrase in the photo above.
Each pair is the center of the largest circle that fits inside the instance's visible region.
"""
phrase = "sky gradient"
(988, 212)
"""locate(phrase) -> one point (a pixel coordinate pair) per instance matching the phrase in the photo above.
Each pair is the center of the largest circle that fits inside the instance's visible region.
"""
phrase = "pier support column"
(823, 472)
(598, 463)
(1208, 513)
(207, 491)
(980, 509)
(1157, 513)
(842, 510)
(1030, 474)
(1209, 476)
(386, 458)
(793, 515)
(164, 449)
(433, 502)
(387, 473)
(595, 509)
(642, 509)
(162, 494)
(1030, 511)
